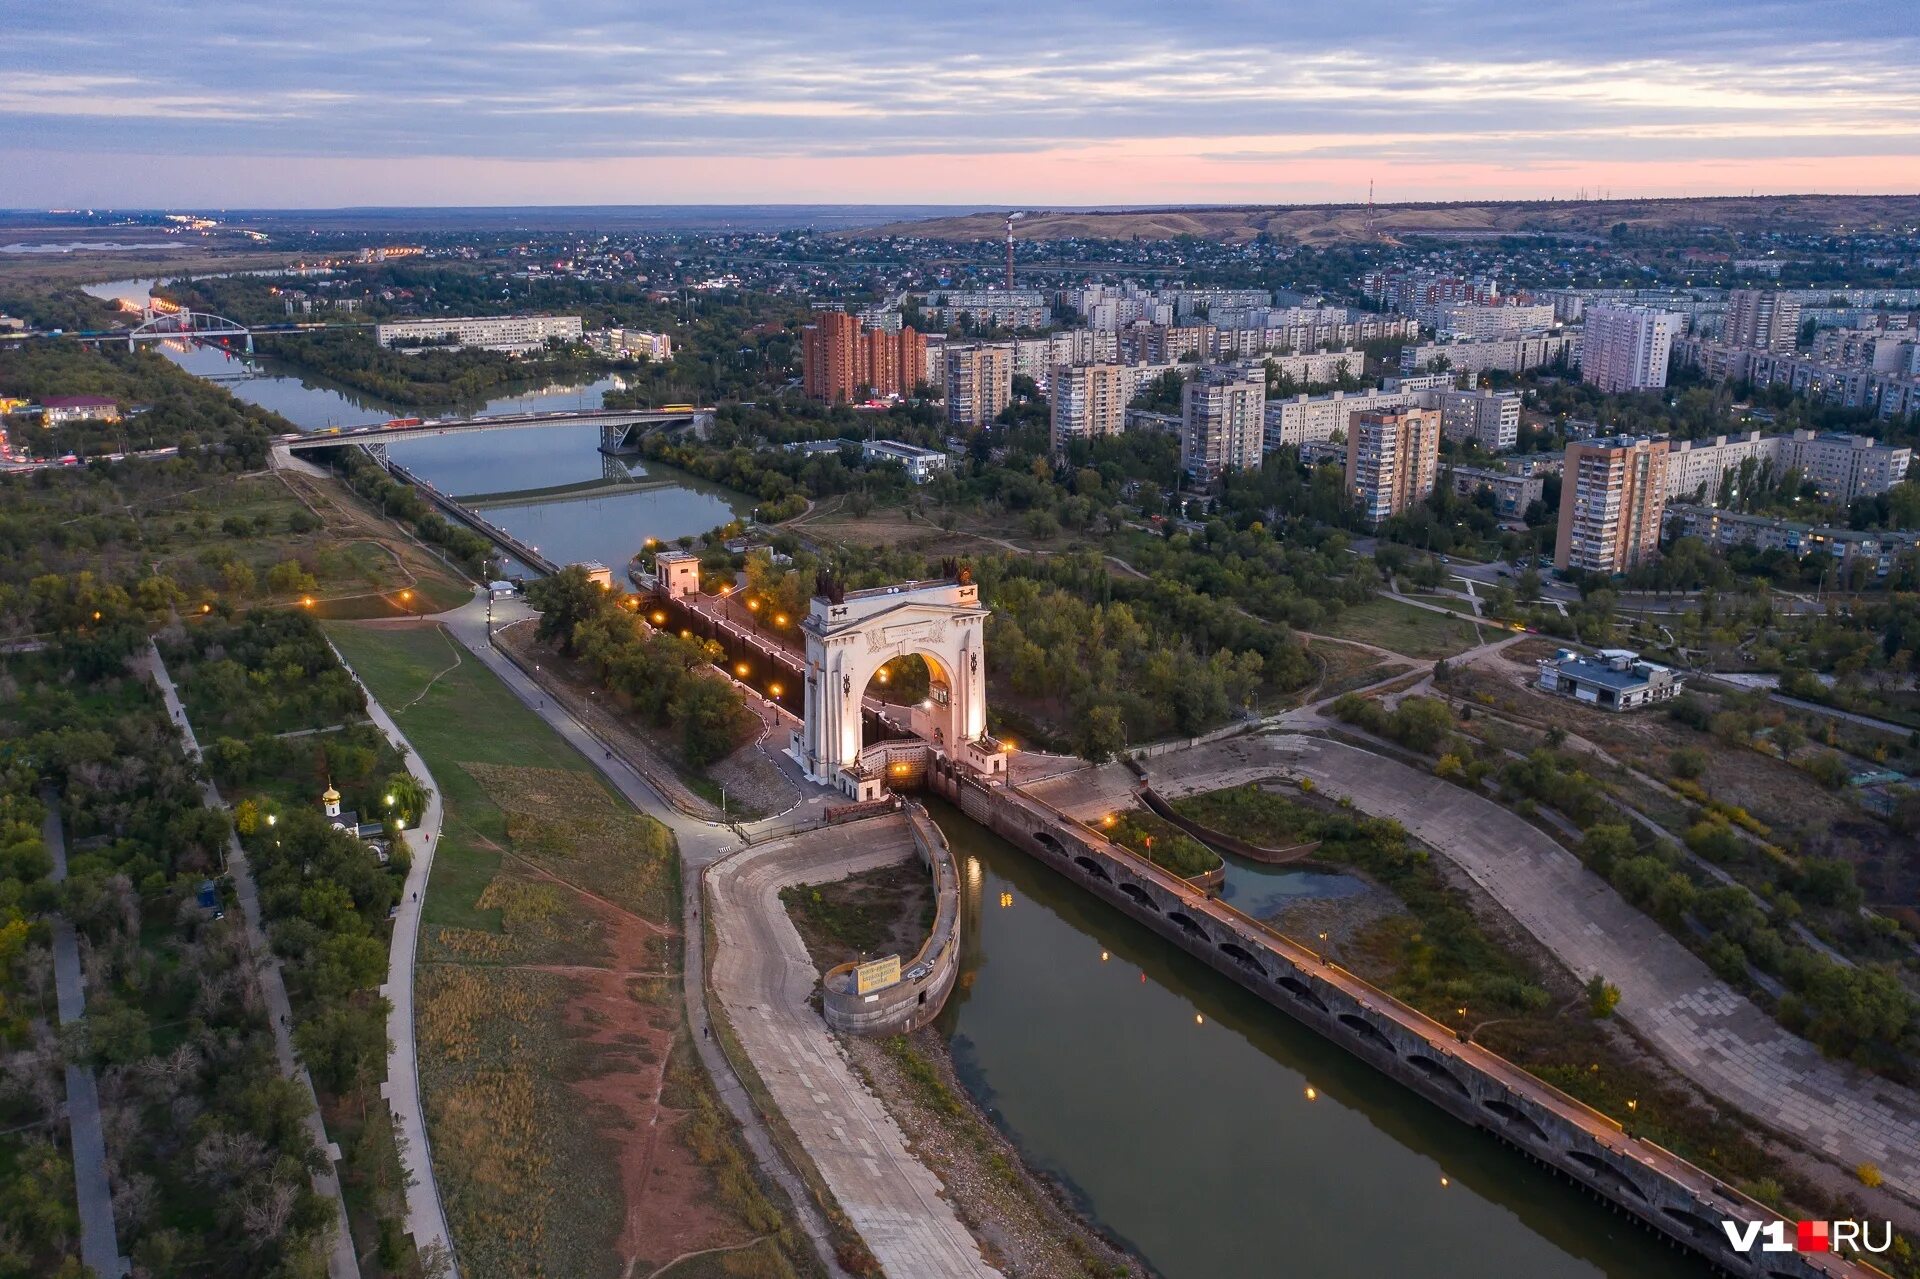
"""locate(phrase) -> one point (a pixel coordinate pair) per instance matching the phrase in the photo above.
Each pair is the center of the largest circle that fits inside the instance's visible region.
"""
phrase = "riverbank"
(1026, 1220)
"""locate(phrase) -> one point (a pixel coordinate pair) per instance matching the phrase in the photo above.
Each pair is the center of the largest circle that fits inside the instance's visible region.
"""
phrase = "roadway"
(93, 1193)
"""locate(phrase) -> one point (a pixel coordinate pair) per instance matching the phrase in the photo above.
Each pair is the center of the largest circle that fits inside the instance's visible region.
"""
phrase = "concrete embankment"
(1641, 1180)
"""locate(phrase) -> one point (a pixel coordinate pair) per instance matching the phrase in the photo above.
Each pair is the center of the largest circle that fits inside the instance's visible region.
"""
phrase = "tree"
(345, 1044)
(1606, 844)
(1101, 733)
(705, 710)
(404, 797)
(565, 600)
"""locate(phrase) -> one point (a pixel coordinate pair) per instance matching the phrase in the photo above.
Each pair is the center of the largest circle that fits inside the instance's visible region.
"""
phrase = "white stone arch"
(849, 640)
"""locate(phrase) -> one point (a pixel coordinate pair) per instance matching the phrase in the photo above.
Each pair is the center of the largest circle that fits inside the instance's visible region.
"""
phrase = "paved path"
(762, 972)
(1703, 1027)
(99, 1245)
(341, 1261)
(701, 844)
(426, 1216)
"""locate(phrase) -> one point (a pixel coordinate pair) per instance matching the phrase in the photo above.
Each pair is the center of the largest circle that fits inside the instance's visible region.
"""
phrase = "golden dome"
(331, 797)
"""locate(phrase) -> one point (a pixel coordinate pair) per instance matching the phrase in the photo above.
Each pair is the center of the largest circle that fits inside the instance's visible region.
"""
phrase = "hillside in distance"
(1323, 224)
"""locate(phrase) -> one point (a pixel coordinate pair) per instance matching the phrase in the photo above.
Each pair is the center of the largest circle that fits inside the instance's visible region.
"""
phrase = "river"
(1174, 1105)
(1171, 1103)
(608, 524)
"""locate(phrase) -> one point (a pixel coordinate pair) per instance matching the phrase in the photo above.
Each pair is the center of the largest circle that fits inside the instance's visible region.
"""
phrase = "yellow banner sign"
(877, 974)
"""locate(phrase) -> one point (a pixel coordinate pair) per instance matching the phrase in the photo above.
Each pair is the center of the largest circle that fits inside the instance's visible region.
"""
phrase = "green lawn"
(1403, 628)
(468, 716)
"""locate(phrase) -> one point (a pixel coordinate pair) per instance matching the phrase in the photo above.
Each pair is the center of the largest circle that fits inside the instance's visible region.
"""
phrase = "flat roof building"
(514, 334)
(979, 383)
(1491, 419)
(1614, 679)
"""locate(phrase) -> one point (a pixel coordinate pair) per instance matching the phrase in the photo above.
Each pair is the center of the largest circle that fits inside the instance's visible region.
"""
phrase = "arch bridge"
(188, 324)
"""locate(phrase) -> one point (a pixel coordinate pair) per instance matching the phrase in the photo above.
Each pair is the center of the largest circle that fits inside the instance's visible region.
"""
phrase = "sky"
(494, 102)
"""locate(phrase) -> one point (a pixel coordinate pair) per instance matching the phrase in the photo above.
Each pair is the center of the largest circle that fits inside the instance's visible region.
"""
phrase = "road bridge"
(620, 429)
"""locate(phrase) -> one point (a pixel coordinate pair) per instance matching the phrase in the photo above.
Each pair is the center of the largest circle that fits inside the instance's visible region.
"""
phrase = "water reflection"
(1214, 1134)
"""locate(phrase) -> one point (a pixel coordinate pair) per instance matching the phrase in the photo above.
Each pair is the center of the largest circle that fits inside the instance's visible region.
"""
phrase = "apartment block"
(1843, 467)
(1626, 347)
(1614, 491)
(514, 334)
(1222, 422)
(1493, 355)
(1393, 459)
(842, 360)
(657, 347)
(1489, 418)
(1317, 366)
(1474, 321)
(979, 383)
(1088, 401)
(1512, 492)
(1757, 318)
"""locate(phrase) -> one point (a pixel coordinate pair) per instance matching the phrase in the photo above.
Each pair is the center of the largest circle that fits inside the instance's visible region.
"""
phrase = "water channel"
(516, 470)
(1173, 1105)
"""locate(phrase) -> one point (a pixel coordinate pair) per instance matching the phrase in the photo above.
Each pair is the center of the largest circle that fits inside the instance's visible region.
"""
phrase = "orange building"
(842, 362)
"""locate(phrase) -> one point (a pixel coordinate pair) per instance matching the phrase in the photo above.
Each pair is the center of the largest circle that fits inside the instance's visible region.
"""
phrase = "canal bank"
(1215, 1136)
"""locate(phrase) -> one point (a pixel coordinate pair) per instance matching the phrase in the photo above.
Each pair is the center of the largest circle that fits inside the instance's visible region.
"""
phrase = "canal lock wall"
(927, 979)
(1636, 1178)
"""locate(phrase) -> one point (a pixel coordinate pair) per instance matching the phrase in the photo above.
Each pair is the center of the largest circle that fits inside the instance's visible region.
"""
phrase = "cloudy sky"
(303, 104)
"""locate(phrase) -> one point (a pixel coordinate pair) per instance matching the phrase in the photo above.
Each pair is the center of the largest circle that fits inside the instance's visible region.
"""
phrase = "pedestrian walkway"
(99, 1245)
(426, 1214)
(764, 976)
(341, 1261)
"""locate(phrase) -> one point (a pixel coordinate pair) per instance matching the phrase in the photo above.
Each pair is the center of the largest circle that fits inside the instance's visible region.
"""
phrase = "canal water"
(1174, 1106)
(625, 503)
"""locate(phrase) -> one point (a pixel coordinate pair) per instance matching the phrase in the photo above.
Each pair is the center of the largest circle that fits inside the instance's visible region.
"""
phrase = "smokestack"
(1009, 252)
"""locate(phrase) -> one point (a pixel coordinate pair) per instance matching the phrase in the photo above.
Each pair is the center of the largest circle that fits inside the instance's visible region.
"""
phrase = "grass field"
(1403, 628)
(467, 717)
(572, 1131)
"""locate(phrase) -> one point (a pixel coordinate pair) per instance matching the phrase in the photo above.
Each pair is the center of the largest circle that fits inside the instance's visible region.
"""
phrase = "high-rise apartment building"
(1758, 318)
(1222, 421)
(1613, 495)
(1393, 459)
(979, 383)
(843, 361)
(1626, 347)
(1089, 401)
(1489, 418)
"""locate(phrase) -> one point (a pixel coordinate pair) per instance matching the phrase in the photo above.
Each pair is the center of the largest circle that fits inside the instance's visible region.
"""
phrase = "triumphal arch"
(851, 635)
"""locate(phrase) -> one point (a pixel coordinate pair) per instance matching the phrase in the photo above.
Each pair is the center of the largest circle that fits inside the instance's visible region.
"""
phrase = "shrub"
(1602, 996)
(1688, 762)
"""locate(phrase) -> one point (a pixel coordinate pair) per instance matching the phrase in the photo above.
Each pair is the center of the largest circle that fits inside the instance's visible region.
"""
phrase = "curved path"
(762, 972)
(1703, 1027)
(426, 1216)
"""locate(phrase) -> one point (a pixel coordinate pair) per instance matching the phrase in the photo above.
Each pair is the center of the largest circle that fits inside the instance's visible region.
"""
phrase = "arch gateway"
(852, 634)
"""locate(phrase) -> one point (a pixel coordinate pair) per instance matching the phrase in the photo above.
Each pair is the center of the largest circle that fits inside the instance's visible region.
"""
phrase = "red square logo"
(1813, 1237)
